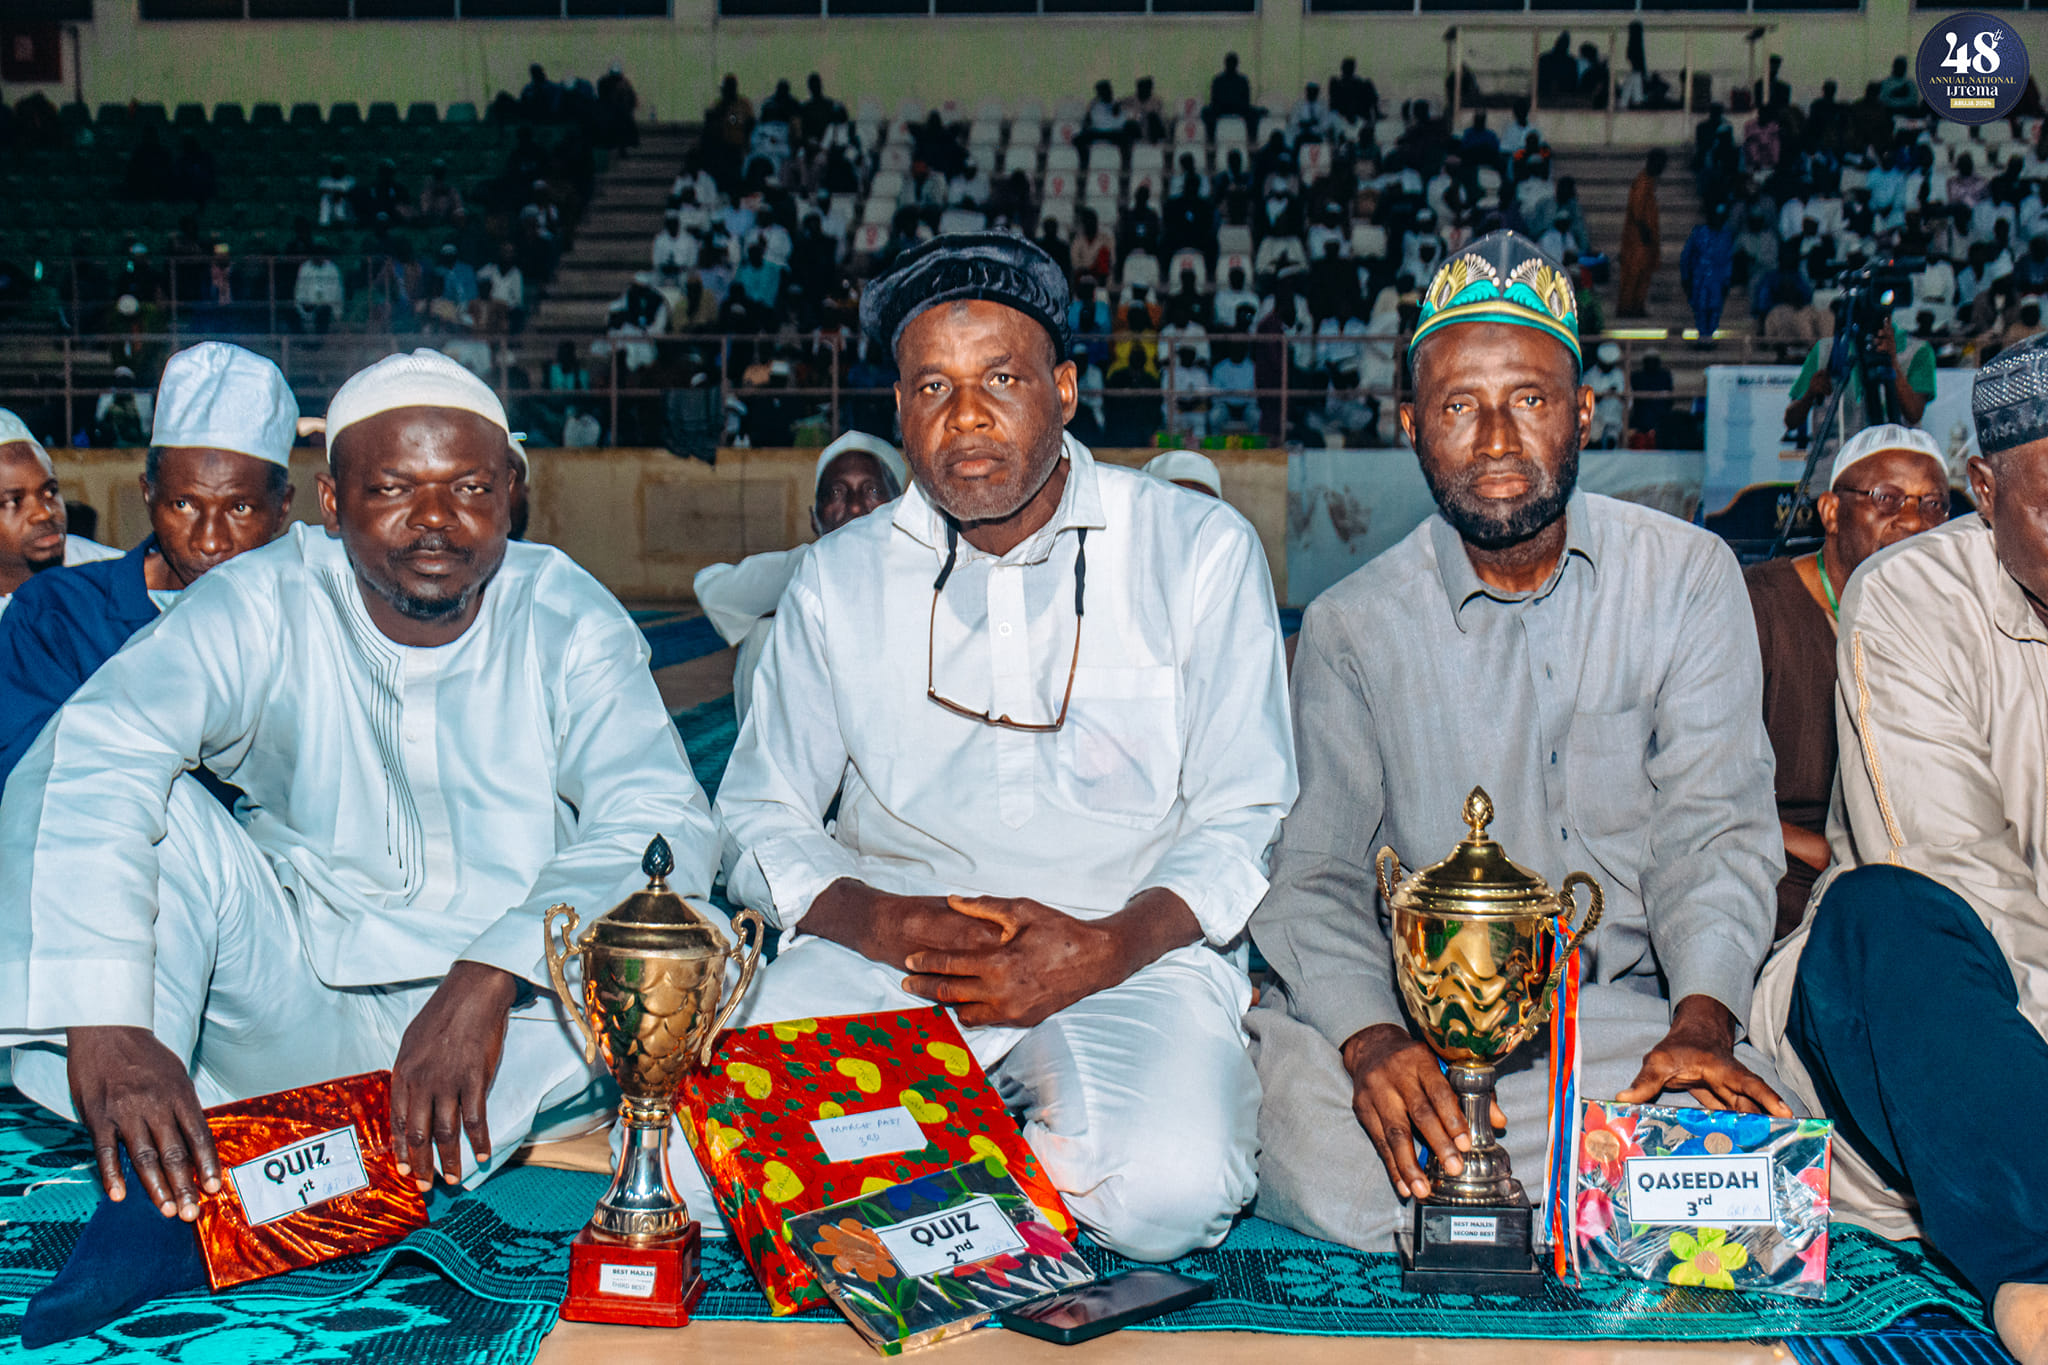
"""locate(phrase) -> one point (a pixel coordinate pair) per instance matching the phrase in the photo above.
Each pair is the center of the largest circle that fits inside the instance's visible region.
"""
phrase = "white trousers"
(1140, 1101)
(238, 1000)
(1319, 1172)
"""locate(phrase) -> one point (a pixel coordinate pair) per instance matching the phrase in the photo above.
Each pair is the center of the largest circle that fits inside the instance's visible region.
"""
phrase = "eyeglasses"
(1003, 722)
(1889, 502)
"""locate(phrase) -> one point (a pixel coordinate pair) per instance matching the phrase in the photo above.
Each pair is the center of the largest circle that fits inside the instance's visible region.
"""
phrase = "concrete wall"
(644, 522)
(675, 63)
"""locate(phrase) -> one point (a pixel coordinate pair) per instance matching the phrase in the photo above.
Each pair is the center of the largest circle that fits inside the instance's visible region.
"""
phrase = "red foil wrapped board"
(794, 1116)
(307, 1175)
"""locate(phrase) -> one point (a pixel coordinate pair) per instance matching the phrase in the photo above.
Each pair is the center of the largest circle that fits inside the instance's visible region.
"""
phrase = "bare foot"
(2020, 1313)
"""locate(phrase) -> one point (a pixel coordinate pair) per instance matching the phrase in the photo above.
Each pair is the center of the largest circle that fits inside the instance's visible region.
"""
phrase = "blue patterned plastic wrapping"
(1780, 1246)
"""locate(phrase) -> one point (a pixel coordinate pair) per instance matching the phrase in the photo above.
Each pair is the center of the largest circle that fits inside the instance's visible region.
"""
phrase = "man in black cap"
(1910, 1005)
(1049, 698)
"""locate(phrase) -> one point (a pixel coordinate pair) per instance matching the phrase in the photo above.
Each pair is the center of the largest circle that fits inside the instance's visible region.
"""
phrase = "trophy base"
(1470, 1249)
(653, 1285)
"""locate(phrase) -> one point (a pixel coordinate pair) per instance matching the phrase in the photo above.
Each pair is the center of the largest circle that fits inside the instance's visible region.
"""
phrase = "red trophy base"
(653, 1285)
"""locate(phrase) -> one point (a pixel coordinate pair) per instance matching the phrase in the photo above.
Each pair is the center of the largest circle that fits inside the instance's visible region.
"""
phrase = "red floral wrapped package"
(794, 1116)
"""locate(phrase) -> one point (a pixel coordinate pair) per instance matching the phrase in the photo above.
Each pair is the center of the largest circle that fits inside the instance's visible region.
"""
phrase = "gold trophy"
(1476, 955)
(653, 970)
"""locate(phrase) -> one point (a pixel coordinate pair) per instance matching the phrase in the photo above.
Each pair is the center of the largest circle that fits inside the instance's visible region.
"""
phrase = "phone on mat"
(1107, 1305)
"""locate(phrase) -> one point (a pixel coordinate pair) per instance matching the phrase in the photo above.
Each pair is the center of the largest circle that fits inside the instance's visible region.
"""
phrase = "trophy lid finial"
(658, 861)
(1478, 812)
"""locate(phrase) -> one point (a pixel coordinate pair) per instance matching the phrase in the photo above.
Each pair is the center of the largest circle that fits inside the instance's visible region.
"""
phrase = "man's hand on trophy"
(1399, 1094)
(1698, 1057)
(130, 1090)
(445, 1065)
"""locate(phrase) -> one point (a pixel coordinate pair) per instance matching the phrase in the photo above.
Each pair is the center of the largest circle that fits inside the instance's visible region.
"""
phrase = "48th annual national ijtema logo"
(1972, 68)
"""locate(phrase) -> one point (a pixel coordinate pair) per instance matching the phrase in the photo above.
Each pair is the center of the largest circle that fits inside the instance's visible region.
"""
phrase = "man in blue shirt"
(217, 482)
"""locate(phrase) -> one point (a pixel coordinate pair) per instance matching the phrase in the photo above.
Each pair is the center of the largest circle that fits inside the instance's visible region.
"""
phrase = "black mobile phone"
(1107, 1305)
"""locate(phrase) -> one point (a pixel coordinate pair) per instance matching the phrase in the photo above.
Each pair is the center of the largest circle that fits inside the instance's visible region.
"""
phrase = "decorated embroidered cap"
(2009, 400)
(1502, 277)
(1878, 439)
(994, 266)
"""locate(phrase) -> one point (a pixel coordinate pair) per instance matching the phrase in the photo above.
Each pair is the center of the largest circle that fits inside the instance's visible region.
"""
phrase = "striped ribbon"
(1560, 1154)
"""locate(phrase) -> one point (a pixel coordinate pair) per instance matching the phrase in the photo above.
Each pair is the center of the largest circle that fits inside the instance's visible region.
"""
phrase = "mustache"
(433, 543)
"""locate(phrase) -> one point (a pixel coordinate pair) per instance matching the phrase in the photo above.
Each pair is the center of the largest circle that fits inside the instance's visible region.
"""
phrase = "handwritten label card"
(963, 1235)
(1699, 1189)
(879, 1132)
(307, 1172)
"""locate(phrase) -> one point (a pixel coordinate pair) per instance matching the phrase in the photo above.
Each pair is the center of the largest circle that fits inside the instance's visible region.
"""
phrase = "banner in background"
(1746, 428)
(1345, 506)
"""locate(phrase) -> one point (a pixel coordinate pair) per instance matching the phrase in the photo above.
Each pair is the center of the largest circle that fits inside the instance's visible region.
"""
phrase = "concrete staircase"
(615, 236)
(1604, 176)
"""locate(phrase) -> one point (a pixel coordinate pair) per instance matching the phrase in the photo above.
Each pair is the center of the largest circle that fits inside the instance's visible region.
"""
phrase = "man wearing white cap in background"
(1888, 482)
(217, 482)
(32, 521)
(856, 474)
(441, 733)
(1189, 469)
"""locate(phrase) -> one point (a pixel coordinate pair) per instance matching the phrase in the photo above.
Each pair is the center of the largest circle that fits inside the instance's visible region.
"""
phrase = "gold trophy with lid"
(1476, 956)
(653, 971)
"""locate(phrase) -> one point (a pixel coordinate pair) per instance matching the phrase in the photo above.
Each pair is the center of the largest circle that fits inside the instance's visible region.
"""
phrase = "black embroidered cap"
(993, 266)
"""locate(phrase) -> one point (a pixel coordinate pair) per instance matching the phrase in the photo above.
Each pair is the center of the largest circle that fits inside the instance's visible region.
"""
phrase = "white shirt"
(1174, 767)
(77, 550)
(739, 601)
(503, 284)
(679, 246)
(317, 283)
(418, 805)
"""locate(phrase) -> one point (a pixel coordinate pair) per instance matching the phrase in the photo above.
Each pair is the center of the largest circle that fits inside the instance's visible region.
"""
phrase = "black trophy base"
(1470, 1249)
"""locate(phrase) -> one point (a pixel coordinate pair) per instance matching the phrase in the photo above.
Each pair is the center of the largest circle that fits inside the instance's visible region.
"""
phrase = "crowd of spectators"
(1239, 248)
(1799, 196)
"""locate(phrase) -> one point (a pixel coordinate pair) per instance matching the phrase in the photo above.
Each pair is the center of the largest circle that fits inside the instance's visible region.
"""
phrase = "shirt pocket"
(1119, 752)
(1610, 789)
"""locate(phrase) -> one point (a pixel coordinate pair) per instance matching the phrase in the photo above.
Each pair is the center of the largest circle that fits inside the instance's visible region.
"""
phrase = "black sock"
(127, 1255)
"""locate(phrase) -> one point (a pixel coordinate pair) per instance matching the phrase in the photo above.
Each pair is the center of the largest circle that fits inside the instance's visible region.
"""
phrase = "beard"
(444, 599)
(1489, 523)
(1024, 472)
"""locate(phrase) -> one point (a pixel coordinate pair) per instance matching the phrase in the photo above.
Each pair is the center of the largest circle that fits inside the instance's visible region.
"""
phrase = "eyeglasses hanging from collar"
(1073, 666)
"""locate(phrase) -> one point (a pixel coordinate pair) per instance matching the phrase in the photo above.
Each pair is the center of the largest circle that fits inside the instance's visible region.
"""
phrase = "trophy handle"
(752, 931)
(1388, 864)
(558, 959)
(1572, 937)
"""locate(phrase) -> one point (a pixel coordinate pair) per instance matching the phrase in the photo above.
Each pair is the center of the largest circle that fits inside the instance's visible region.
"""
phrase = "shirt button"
(1004, 630)
(412, 736)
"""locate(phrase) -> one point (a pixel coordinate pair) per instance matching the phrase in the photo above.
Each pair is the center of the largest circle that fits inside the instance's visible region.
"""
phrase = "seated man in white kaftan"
(440, 734)
(1049, 696)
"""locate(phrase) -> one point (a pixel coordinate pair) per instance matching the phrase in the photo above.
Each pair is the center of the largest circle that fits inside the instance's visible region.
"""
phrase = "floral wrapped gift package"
(1711, 1199)
(915, 1263)
(794, 1116)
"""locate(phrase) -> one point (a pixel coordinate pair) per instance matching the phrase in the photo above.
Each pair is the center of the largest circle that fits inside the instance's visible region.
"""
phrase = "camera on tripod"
(1870, 295)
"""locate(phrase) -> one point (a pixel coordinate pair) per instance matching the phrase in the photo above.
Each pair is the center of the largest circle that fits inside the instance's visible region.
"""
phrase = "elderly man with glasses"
(1048, 696)
(1887, 483)
(1910, 1006)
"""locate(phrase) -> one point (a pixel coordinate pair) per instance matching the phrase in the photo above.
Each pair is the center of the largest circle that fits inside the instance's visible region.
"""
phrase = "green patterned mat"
(479, 1284)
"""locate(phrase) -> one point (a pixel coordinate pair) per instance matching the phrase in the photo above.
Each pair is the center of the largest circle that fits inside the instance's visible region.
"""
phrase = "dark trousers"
(1908, 1020)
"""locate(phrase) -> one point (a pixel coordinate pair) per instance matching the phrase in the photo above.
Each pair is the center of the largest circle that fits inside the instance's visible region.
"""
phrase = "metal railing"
(38, 373)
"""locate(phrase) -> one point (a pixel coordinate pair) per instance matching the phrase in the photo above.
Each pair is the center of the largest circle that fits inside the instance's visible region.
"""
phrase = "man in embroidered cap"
(1910, 1006)
(217, 482)
(32, 534)
(440, 732)
(1049, 698)
(1887, 483)
(1592, 665)
(856, 474)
